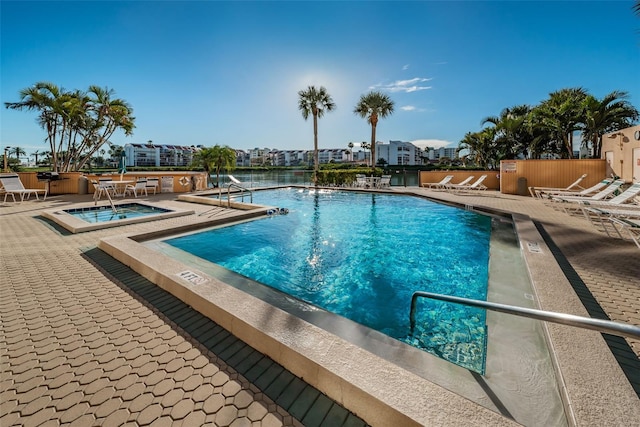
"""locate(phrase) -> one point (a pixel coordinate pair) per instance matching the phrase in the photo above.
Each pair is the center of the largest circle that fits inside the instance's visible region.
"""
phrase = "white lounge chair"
(571, 204)
(11, 185)
(465, 181)
(477, 185)
(632, 226)
(536, 190)
(603, 194)
(440, 184)
(586, 192)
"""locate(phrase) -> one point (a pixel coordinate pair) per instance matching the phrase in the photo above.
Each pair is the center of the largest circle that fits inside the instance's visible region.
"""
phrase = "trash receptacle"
(522, 186)
(83, 185)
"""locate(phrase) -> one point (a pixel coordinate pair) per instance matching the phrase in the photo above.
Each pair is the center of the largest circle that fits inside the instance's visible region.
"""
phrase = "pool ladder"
(242, 191)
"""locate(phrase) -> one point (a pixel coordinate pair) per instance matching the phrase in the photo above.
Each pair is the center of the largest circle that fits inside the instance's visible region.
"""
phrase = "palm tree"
(36, 154)
(560, 116)
(41, 97)
(18, 151)
(513, 135)
(374, 106)
(77, 124)
(215, 159)
(315, 102)
(609, 114)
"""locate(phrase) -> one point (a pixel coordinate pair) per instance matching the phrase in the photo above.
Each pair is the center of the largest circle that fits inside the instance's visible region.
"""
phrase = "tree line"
(525, 131)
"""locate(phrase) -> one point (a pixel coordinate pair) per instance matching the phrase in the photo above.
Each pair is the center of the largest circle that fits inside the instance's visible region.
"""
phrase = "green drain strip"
(620, 348)
(303, 401)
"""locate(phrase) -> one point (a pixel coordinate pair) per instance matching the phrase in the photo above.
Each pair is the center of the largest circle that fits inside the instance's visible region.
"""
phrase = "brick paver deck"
(85, 342)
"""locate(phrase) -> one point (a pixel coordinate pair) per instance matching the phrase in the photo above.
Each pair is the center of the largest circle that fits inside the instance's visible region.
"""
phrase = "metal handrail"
(242, 190)
(606, 326)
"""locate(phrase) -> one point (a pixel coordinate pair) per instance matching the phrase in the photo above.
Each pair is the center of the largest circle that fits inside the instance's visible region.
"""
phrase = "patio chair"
(12, 185)
(361, 181)
(385, 181)
(576, 184)
(542, 194)
(440, 184)
(477, 185)
(101, 187)
(153, 184)
(139, 187)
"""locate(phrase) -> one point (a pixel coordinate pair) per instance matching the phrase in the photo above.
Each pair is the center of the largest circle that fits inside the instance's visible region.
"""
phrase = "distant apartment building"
(333, 155)
(260, 156)
(290, 158)
(398, 153)
(159, 155)
(438, 153)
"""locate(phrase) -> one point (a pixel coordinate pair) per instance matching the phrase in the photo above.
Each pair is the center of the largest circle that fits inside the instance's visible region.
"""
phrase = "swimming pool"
(362, 256)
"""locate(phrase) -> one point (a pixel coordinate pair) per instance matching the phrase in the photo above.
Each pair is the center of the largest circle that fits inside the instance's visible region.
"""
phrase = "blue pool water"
(362, 256)
(97, 214)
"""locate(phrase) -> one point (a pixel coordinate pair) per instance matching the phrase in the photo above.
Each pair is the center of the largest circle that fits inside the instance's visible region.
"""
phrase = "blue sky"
(214, 72)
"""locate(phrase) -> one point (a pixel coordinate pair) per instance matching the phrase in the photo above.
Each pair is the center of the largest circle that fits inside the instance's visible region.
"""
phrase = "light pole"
(6, 159)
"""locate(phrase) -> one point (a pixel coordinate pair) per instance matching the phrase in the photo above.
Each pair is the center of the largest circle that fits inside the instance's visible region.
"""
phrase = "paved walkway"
(80, 346)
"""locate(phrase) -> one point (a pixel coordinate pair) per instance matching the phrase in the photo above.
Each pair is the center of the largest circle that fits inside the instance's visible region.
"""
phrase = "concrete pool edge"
(594, 387)
(371, 387)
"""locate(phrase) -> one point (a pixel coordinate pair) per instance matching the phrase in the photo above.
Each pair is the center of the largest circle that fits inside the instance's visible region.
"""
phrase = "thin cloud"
(405, 67)
(407, 86)
(408, 108)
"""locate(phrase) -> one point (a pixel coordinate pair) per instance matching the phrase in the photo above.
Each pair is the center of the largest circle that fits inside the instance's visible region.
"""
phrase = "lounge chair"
(627, 196)
(546, 194)
(603, 194)
(12, 185)
(605, 214)
(139, 187)
(463, 182)
(536, 190)
(573, 203)
(632, 226)
(477, 185)
(440, 184)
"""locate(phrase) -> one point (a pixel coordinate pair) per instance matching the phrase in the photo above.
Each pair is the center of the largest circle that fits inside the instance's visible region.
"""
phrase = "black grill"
(48, 176)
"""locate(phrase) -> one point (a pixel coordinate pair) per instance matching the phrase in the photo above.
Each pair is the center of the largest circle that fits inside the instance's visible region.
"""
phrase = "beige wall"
(620, 148)
(558, 173)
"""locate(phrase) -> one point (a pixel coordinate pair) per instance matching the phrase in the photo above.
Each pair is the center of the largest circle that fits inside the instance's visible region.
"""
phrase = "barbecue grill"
(48, 177)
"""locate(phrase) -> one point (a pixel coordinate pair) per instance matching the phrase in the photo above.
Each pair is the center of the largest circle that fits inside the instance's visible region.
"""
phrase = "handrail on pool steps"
(606, 326)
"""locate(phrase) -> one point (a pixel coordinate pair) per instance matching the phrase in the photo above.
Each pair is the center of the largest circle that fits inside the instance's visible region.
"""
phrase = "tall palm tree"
(315, 102)
(374, 106)
(608, 114)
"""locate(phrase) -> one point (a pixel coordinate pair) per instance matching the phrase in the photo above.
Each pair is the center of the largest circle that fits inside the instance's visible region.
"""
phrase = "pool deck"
(84, 342)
